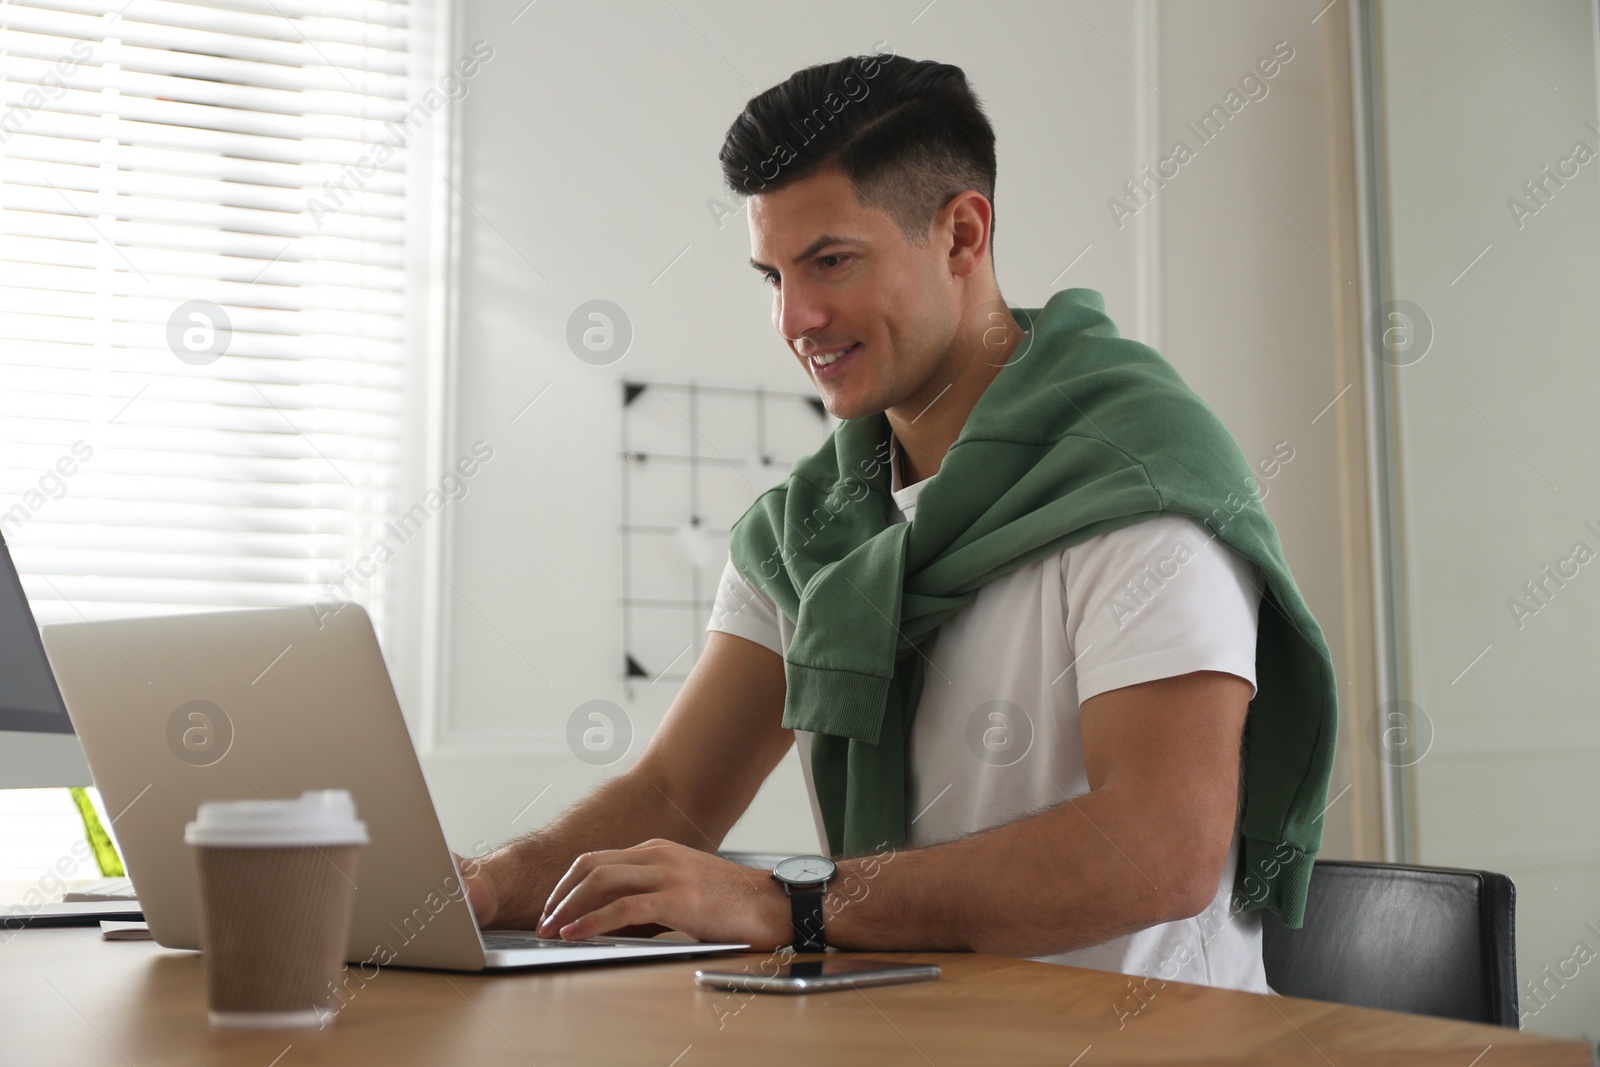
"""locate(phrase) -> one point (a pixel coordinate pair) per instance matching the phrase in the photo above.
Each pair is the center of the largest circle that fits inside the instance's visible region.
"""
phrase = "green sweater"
(1081, 433)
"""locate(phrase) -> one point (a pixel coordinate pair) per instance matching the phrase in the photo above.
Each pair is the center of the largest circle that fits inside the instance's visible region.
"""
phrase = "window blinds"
(202, 242)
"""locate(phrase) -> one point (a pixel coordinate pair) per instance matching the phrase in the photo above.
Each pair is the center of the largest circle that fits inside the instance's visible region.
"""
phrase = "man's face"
(845, 280)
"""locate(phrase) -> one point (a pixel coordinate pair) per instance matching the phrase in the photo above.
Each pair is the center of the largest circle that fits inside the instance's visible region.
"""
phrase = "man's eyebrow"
(810, 250)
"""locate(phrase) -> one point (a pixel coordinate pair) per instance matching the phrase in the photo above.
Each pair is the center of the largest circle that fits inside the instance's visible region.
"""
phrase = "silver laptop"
(244, 705)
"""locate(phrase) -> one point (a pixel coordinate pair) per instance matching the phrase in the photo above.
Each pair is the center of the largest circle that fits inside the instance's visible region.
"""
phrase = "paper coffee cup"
(277, 886)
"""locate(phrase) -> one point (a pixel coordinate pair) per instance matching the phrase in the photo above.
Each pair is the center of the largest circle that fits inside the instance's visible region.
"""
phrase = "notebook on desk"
(85, 905)
(268, 703)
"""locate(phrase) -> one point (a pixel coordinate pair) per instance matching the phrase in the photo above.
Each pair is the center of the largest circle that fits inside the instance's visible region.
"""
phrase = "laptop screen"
(29, 699)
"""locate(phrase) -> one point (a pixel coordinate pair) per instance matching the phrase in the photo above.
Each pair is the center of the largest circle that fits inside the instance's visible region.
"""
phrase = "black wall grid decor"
(693, 458)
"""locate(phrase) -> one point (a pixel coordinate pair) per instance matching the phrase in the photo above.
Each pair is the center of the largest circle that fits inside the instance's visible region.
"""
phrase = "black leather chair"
(1426, 940)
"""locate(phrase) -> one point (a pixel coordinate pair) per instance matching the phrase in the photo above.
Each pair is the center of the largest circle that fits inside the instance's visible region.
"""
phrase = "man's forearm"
(620, 813)
(1087, 871)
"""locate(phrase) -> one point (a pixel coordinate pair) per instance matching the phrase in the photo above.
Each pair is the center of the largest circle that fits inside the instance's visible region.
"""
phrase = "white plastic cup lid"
(318, 817)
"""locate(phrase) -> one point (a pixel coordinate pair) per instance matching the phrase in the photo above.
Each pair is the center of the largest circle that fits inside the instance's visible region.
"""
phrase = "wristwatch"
(805, 879)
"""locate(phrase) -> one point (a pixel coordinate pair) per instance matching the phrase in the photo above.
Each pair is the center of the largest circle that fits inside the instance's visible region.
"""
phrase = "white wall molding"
(1147, 149)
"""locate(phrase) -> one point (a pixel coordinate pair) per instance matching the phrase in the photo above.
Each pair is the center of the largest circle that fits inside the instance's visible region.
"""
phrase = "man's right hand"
(482, 894)
(719, 740)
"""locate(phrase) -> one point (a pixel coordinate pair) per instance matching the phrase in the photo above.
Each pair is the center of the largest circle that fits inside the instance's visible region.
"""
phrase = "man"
(1020, 710)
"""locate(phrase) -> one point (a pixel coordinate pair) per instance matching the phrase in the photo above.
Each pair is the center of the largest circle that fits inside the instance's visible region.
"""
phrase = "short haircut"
(909, 135)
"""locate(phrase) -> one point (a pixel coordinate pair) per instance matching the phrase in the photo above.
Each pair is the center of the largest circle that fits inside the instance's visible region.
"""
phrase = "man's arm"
(719, 740)
(1145, 845)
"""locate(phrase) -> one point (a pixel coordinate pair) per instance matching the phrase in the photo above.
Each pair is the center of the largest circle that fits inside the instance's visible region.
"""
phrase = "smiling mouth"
(833, 364)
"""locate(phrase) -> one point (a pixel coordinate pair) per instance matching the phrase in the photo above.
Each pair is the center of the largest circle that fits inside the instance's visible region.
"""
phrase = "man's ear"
(964, 226)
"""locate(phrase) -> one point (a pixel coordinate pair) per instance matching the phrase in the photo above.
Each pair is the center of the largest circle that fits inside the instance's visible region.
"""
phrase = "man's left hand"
(672, 885)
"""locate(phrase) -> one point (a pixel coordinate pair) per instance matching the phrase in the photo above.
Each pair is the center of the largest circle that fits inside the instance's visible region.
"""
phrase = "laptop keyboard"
(112, 889)
(515, 940)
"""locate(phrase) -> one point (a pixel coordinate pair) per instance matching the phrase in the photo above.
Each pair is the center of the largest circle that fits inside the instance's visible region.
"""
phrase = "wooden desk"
(69, 998)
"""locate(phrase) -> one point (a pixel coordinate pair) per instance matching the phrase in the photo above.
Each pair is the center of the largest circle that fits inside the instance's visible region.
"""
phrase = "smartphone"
(817, 975)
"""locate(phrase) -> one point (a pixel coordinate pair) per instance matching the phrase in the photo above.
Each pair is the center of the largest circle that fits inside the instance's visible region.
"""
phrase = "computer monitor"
(37, 746)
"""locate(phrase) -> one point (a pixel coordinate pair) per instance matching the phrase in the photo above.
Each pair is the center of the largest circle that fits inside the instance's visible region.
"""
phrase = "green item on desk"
(105, 853)
(1082, 432)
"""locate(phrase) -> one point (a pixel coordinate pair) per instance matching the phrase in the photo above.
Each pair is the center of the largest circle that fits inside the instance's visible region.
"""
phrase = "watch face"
(804, 870)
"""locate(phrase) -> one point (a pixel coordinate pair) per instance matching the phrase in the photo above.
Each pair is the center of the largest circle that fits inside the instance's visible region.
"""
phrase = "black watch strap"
(805, 916)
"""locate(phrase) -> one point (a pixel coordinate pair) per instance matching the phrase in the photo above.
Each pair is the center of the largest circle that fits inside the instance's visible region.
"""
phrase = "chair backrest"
(1427, 940)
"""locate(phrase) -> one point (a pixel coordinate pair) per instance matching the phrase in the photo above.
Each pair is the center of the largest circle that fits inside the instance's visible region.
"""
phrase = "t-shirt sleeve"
(745, 611)
(1157, 599)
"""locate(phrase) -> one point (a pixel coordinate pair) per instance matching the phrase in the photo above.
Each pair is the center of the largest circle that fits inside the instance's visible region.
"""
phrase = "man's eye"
(827, 262)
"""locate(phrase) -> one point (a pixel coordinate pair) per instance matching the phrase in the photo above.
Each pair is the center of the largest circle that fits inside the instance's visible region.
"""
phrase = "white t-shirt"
(996, 732)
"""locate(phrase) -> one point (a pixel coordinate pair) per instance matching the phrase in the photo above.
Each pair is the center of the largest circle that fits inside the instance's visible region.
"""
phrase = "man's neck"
(927, 424)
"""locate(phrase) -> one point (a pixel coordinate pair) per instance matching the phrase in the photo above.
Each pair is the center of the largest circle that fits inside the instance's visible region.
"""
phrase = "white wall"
(588, 155)
(1497, 460)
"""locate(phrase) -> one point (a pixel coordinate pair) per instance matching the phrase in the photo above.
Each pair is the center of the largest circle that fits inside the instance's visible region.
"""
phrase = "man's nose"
(798, 314)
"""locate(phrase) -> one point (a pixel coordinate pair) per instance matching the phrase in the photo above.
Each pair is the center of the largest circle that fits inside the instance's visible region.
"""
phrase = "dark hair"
(909, 135)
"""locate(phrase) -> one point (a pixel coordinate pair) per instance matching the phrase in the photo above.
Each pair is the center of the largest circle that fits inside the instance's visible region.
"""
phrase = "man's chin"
(849, 405)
